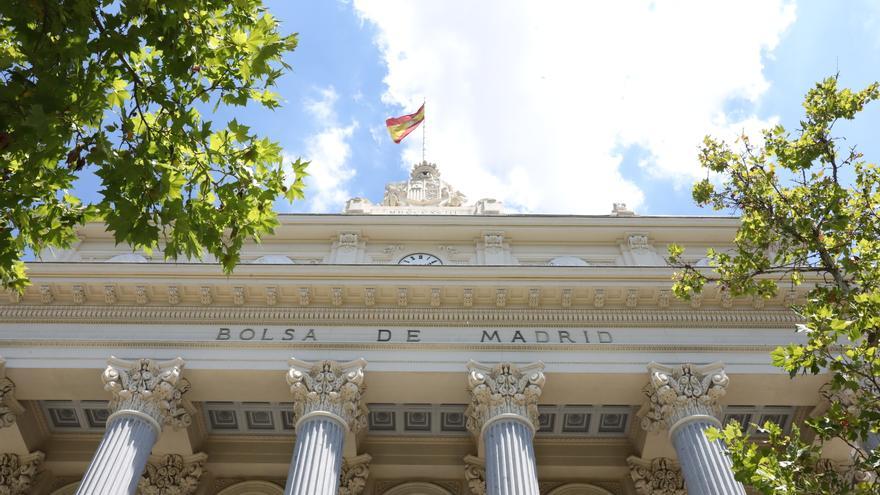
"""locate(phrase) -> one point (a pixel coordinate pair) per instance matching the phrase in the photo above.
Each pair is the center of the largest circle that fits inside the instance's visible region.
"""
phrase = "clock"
(420, 259)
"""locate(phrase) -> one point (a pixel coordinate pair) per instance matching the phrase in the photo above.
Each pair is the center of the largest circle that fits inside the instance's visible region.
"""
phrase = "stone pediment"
(423, 194)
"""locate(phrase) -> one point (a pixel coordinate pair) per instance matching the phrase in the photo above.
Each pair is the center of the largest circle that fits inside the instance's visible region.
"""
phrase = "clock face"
(420, 259)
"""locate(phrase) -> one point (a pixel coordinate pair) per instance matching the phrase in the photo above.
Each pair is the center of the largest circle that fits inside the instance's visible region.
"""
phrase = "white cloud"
(532, 101)
(329, 152)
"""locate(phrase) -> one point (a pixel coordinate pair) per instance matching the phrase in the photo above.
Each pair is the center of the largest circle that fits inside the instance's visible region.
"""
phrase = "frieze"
(444, 316)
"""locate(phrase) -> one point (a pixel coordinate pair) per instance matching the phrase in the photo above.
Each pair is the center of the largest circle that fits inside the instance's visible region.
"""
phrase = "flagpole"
(424, 126)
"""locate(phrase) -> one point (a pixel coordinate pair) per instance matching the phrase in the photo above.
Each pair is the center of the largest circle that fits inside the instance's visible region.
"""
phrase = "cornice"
(430, 317)
(387, 346)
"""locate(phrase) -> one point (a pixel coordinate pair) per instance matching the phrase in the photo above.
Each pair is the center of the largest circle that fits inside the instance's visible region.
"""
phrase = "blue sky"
(554, 107)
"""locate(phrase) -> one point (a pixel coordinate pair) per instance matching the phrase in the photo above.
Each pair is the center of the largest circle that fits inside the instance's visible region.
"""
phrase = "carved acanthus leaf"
(151, 387)
(503, 388)
(17, 472)
(681, 391)
(172, 474)
(658, 476)
(475, 475)
(355, 472)
(329, 386)
(9, 406)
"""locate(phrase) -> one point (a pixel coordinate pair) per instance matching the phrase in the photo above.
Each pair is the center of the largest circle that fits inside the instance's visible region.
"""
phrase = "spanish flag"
(400, 127)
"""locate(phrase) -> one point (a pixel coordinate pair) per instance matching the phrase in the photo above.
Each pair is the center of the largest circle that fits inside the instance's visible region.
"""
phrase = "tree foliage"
(119, 88)
(809, 207)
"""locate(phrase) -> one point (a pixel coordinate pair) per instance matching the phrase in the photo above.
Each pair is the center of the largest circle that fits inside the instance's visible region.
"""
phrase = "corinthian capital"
(503, 389)
(328, 388)
(475, 474)
(355, 472)
(17, 472)
(658, 476)
(153, 388)
(682, 391)
(9, 407)
(172, 474)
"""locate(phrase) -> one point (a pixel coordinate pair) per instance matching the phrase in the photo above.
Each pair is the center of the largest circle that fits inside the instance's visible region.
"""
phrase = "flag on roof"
(400, 127)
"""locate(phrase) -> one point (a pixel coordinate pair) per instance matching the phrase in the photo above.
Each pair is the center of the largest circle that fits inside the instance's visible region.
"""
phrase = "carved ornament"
(271, 296)
(154, 388)
(475, 475)
(678, 392)
(9, 406)
(172, 474)
(355, 472)
(17, 472)
(503, 389)
(329, 387)
(658, 476)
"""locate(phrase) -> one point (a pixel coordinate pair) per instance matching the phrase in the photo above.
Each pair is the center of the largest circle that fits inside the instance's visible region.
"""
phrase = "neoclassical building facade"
(419, 345)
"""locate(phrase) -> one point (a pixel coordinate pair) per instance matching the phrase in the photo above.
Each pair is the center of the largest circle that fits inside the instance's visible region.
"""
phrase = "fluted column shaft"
(704, 464)
(327, 404)
(510, 458)
(684, 399)
(147, 394)
(503, 416)
(121, 457)
(317, 457)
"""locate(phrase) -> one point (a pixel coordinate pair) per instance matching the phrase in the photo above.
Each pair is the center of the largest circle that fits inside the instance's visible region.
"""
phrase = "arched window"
(417, 488)
(252, 488)
(67, 489)
(579, 489)
(568, 261)
(273, 259)
(128, 258)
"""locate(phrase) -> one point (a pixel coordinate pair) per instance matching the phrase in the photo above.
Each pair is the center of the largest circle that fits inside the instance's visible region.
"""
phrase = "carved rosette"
(329, 387)
(154, 388)
(9, 406)
(172, 474)
(17, 472)
(504, 389)
(659, 476)
(355, 472)
(475, 475)
(687, 390)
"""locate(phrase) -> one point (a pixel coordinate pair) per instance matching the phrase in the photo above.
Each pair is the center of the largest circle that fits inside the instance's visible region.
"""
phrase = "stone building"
(423, 345)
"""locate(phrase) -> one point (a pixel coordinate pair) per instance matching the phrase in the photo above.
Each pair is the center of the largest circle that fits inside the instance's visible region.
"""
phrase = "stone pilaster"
(147, 395)
(9, 407)
(17, 472)
(172, 474)
(658, 476)
(503, 415)
(355, 472)
(684, 400)
(327, 404)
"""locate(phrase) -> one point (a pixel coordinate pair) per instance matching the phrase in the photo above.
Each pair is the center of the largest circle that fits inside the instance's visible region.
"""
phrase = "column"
(327, 404)
(684, 400)
(503, 416)
(147, 394)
